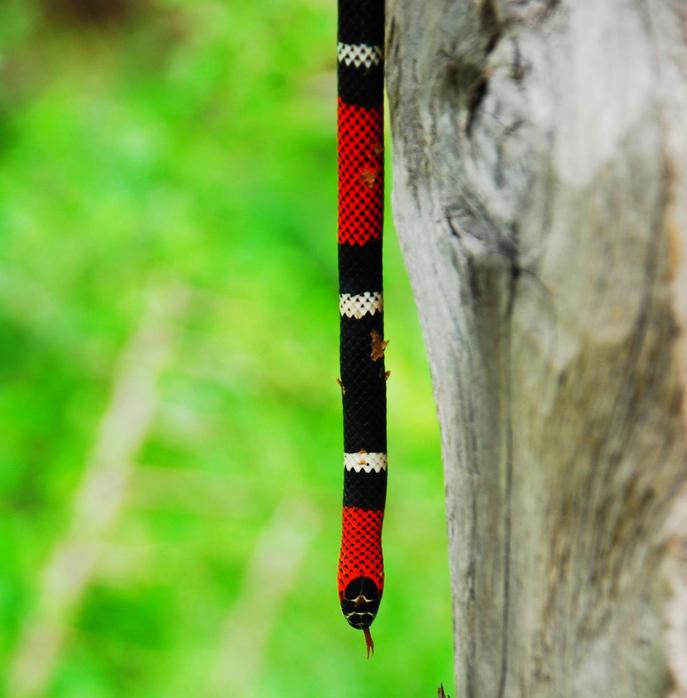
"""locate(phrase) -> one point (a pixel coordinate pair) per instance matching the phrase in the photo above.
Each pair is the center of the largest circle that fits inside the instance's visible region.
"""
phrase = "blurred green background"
(170, 429)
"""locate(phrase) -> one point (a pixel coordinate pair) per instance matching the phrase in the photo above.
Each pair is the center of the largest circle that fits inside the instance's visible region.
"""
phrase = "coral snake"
(360, 54)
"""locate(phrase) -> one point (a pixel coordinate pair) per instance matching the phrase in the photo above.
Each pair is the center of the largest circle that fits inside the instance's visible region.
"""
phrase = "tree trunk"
(540, 193)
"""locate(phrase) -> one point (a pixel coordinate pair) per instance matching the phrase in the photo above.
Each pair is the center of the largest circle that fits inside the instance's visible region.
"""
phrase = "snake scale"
(360, 54)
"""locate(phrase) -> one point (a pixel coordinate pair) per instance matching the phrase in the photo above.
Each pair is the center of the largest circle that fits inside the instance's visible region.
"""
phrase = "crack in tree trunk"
(509, 484)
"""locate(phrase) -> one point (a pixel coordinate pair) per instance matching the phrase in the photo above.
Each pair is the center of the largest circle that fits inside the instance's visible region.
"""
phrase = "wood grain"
(540, 193)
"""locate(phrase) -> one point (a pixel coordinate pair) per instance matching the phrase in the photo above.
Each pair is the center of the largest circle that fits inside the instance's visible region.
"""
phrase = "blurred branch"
(270, 575)
(91, 12)
(121, 432)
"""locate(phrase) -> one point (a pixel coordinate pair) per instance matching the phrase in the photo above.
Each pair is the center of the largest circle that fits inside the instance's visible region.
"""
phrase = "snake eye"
(360, 602)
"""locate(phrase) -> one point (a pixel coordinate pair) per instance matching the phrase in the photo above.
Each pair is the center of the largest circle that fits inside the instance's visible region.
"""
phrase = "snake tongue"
(369, 642)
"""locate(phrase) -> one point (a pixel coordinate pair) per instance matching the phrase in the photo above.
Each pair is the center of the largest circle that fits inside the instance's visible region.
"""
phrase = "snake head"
(360, 602)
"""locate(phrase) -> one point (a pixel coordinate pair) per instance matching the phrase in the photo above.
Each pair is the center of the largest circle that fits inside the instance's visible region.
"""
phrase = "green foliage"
(183, 153)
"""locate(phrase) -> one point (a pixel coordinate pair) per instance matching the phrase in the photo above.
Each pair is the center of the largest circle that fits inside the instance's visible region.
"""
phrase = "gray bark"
(540, 193)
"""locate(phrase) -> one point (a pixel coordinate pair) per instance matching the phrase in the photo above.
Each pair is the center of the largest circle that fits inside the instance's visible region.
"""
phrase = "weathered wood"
(540, 193)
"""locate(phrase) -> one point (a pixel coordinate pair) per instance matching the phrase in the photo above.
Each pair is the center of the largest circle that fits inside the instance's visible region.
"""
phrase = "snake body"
(363, 376)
